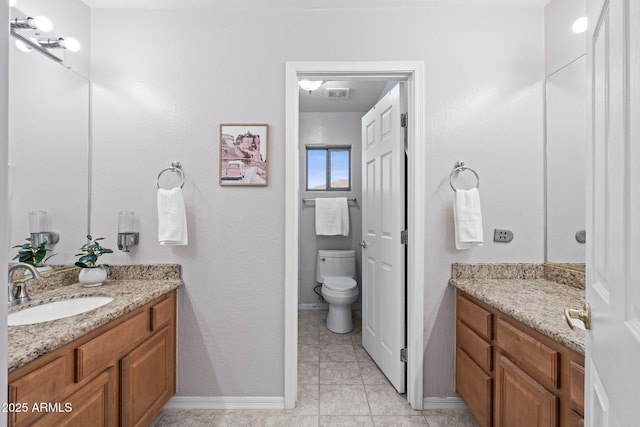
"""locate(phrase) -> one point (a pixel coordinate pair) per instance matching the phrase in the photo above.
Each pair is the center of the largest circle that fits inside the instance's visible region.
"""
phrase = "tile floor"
(338, 385)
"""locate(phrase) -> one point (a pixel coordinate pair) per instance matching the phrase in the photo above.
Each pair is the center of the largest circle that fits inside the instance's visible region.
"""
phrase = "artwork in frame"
(243, 154)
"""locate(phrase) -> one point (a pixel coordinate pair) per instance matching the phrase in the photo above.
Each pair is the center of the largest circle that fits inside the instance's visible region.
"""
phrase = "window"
(329, 169)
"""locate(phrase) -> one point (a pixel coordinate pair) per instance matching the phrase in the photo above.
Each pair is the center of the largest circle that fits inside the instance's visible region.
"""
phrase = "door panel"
(383, 219)
(613, 280)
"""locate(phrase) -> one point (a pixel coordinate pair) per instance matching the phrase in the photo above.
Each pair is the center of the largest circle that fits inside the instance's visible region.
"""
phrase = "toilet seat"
(340, 283)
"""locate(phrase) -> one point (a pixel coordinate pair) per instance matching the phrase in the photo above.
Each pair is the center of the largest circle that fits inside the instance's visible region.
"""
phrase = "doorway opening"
(412, 74)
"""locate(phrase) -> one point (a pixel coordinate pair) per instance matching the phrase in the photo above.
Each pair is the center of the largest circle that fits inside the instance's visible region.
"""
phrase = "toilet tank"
(335, 263)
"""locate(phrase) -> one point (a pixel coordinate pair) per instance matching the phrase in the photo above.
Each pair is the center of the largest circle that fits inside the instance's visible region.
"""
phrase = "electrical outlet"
(502, 236)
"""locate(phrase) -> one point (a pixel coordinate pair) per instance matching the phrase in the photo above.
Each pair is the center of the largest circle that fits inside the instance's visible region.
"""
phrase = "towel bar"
(176, 167)
(460, 167)
(349, 199)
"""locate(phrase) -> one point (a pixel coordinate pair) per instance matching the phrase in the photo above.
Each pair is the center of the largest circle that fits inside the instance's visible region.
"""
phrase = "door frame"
(413, 73)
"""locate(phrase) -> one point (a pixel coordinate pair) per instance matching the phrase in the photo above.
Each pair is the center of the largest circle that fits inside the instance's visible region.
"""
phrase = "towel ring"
(176, 167)
(460, 167)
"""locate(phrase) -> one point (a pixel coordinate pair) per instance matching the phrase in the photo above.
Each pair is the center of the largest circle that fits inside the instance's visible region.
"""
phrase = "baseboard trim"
(314, 306)
(443, 403)
(223, 402)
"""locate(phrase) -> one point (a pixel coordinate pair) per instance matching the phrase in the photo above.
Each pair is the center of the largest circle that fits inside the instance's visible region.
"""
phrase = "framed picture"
(243, 154)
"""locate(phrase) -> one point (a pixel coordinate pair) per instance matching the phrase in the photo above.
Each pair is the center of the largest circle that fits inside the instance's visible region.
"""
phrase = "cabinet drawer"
(42, 385)
(477, 348)
(475, 317)
(474, 386)
(536, 358)
(162, 313)
(576, 388)
(99, 352)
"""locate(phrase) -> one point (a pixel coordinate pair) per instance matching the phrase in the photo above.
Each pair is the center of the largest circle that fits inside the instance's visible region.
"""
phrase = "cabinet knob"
(584, 315)
(363, 244)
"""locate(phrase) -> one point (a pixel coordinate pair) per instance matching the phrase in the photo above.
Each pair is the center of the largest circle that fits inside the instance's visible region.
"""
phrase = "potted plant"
(92, 274)
(33, 255)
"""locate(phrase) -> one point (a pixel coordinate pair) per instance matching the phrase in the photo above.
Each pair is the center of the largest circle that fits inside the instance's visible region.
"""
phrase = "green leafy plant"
(90, 253)
(34, 255)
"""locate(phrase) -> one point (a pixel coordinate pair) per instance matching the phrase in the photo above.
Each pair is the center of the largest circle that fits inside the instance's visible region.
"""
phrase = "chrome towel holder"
(176, 167)
(458, 168)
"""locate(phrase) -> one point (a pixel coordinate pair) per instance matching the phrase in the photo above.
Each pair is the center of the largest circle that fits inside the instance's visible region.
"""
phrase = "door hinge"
(404, 123)
(403, 355)
(404, 237)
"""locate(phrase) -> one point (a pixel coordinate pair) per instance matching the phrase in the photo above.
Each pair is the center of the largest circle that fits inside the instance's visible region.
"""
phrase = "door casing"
(413, 73)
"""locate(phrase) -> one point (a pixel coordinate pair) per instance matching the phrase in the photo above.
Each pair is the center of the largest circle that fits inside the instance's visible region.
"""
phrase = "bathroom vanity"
(517, 361)
(111, 366)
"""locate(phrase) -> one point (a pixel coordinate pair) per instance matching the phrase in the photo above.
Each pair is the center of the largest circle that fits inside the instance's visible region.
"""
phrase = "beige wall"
(165, 79)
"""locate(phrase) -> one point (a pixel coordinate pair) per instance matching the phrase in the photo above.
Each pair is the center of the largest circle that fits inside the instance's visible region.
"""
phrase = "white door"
(613, 215)
(383, 254)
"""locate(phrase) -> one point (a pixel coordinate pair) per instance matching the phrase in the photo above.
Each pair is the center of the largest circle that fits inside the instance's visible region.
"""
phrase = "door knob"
(363, 244)
(584, 315)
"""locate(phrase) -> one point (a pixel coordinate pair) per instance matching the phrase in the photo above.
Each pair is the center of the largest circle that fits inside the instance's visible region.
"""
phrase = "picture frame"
(244, 154)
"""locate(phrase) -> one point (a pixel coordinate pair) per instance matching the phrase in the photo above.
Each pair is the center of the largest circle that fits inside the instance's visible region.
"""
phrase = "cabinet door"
(147, 379)
(474, 386)
(93, 405)
(520, 400)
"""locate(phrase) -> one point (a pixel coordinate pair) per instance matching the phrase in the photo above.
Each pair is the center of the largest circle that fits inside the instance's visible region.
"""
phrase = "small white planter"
(92, 277)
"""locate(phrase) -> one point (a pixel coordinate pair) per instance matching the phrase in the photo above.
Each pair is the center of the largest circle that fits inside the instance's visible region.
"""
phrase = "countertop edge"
(27, 343)
(541, 322)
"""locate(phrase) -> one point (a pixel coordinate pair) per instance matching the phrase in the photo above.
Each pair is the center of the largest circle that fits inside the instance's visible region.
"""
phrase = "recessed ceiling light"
(580, 25)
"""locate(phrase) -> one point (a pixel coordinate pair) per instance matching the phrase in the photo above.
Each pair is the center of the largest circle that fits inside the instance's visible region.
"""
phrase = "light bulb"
(70, 44)
(23, 46)
(580, 25)
(43, 23)
(12, 3)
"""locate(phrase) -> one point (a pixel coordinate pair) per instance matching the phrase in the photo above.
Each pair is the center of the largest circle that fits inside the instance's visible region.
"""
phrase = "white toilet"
(336, 271)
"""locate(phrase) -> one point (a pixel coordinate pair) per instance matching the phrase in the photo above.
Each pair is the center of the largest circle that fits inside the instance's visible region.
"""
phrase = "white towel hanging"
(467, 217)
(172, 218)
(332, 216)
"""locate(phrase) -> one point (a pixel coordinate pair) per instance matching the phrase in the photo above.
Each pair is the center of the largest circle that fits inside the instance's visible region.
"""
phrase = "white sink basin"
(56, 310)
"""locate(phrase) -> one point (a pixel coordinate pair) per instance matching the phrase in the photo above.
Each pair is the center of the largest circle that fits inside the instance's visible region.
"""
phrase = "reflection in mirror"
(48, 151)
(566, 110)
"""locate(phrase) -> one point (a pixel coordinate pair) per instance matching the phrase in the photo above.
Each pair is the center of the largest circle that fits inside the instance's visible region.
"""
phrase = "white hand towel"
(332, 216)
(172, 219)
(467, 218)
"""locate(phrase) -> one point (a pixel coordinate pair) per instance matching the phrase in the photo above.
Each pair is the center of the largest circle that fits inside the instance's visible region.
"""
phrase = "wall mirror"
(48, 151)
(566, 109)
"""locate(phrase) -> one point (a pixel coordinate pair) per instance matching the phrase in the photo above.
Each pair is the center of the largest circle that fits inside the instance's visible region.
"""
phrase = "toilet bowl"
(336, 271)
(340, 293)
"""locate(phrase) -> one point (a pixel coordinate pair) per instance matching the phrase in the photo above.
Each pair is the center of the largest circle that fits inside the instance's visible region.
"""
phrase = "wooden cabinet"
(120, 374)
(146, 380)
(521, 400)
(511, 375)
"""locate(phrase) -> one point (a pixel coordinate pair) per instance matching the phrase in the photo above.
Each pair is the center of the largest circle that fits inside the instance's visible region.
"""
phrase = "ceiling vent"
(337, 93)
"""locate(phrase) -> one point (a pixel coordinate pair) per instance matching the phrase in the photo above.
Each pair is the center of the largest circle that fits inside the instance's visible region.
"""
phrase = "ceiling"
(362, 96)
(304, 4)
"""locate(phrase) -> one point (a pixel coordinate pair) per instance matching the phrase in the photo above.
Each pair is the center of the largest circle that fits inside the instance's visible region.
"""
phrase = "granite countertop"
(537, 302)
(28, 342)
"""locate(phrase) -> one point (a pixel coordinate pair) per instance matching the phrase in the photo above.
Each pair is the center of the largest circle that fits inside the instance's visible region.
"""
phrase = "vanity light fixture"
(69, 43)
(29, 34)
(310, 85)
(126, 236)
(38, 228)
(41, 23)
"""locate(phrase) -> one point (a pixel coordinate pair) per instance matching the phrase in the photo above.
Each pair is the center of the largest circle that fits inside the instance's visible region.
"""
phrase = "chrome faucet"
(20, 295)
